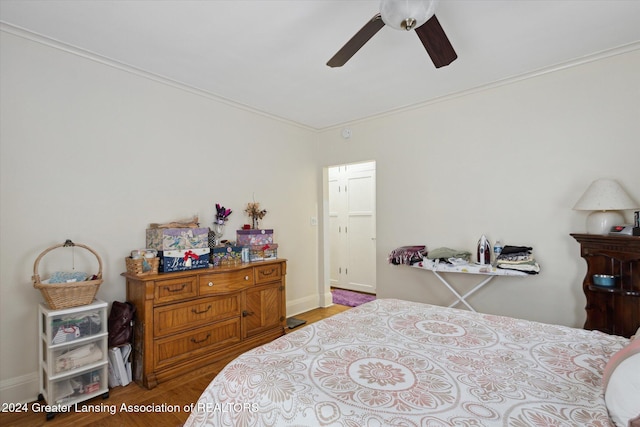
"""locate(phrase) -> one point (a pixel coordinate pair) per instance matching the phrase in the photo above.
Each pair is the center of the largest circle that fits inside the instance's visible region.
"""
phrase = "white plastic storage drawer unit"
(73, 354)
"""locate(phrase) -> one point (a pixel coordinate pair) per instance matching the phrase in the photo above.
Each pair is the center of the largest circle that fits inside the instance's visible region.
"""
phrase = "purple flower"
(222, 214)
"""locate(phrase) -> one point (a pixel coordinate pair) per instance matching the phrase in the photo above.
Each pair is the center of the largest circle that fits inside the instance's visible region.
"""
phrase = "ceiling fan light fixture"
(408, 24)
(407, 14)
(418, 15)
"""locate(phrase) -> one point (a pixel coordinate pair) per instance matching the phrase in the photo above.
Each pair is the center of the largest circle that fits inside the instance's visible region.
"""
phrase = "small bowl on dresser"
(604, 280)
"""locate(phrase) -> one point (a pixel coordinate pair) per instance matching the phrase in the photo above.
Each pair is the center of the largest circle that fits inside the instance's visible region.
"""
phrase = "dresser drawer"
(267, 273)
(189, 315)
(185, 346)
(176, 289)
(226, 281)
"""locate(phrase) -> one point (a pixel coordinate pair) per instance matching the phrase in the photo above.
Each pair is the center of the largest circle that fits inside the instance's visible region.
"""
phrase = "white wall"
(95, 153)
(508, 162)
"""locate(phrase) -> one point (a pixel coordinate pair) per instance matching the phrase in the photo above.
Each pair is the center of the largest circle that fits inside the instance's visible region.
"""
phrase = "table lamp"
(605, 197)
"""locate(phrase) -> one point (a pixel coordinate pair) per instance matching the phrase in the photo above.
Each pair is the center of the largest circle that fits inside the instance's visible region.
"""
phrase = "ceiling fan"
(403, 15)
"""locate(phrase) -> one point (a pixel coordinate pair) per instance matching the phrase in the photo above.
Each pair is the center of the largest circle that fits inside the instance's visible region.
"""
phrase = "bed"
(398, 363)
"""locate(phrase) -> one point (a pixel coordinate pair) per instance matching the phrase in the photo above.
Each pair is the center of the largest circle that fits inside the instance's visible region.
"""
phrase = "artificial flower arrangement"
(255, 213)
(222, 214)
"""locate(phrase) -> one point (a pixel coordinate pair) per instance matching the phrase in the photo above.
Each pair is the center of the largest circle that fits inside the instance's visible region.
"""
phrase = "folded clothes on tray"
(508, 250)
(445, 253)
(518, 258)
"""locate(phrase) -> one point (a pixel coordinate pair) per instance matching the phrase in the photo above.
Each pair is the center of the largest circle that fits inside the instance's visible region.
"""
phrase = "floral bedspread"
(398, 363)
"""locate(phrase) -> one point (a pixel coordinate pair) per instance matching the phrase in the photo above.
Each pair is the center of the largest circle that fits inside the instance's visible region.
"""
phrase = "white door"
(352, 222)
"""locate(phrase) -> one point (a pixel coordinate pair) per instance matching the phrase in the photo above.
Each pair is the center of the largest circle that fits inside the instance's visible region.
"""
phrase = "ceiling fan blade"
(436, 42)
(356, 42)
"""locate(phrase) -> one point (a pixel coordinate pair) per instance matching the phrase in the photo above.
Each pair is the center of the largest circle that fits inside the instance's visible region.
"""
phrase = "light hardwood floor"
(181, 391)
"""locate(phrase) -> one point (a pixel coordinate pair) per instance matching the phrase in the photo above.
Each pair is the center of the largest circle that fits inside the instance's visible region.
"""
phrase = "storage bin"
(66, 325)
(227, 255)
(263, 252)
(73, 294)
(142, 266)
(75, 388)
(73, 354)
(254, 237)
(189, 259)
(173, 239)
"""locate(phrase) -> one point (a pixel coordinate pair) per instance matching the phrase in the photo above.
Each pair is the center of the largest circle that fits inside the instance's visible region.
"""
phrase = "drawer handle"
(193, 340)
(268, 273)
(194, 311)
(246, 277)
(210, 284)
(246, 313)
(168, 289)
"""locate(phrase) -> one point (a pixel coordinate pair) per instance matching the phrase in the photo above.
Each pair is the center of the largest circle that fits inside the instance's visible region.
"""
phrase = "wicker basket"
(137, 266)
(64, 295)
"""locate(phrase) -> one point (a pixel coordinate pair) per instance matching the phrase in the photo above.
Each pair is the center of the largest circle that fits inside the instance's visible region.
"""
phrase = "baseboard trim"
(328, 299)
(302, 305)
(22, 389)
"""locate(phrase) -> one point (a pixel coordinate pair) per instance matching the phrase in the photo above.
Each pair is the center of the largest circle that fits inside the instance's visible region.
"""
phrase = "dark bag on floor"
(121, 323)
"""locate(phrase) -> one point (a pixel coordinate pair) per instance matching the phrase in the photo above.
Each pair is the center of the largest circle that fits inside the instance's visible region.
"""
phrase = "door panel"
(361, 274)
(352, 224)
(263, 308)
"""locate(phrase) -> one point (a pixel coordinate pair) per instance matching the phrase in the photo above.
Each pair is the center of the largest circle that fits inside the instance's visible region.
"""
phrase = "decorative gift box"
(254, 237)
(188, 259)
(226, 255)
(263, 252)
(173, 239)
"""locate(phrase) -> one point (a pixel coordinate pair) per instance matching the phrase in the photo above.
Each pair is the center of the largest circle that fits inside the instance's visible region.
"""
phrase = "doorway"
(352, 226)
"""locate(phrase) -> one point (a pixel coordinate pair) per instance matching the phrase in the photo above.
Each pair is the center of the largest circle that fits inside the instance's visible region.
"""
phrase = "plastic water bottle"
(497, 250)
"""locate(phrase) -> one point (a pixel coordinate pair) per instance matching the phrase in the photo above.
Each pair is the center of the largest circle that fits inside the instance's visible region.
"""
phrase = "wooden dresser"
(614, 310)
(190, 318)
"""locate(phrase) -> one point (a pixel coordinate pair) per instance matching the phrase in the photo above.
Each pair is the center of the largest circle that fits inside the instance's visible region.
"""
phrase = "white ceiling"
(270, 55)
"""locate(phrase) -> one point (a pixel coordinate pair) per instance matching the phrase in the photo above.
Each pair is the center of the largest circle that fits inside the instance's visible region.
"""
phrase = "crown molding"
(74, 50)
(503, 82)
(38, 38)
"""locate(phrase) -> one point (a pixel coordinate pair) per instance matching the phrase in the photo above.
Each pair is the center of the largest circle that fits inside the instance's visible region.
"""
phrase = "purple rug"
(352, 299)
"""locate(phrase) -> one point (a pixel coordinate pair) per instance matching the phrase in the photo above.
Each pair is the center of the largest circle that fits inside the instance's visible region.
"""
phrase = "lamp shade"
(605, 197)
(407, 14)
